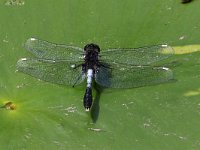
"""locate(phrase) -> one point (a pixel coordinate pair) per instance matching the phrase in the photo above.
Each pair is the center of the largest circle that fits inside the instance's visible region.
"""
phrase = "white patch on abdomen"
(89, 77)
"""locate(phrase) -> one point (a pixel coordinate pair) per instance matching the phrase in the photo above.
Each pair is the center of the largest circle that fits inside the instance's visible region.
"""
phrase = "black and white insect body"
(114, 68)
(90, 66)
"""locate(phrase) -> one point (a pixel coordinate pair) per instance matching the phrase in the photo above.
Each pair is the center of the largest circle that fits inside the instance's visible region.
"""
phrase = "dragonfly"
(112, 68)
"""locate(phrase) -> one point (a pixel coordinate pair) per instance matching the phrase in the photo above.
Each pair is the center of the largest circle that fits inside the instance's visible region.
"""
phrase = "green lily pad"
(47, 116)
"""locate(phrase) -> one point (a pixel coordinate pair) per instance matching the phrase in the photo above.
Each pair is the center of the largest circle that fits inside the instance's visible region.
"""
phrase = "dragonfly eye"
(92, 47)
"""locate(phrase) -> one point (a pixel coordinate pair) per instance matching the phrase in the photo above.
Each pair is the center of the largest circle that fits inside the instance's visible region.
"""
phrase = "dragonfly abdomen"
(87, 101)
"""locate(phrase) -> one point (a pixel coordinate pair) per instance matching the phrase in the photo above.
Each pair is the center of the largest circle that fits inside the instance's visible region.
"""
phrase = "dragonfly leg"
(80, 76)
(83, 73)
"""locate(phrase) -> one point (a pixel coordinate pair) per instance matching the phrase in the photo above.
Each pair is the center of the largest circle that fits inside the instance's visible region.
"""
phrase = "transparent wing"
(47, 50)
(63, 72)
(119, 76)
(137, 56)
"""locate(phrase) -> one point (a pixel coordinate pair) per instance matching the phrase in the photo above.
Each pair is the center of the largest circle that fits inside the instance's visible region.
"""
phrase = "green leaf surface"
(48, 116)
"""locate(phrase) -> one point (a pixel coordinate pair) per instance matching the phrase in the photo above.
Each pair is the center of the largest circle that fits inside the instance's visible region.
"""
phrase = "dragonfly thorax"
(91, 55)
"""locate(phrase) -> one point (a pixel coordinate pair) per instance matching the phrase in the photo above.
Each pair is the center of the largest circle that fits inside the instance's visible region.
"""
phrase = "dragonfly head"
(92, 47)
